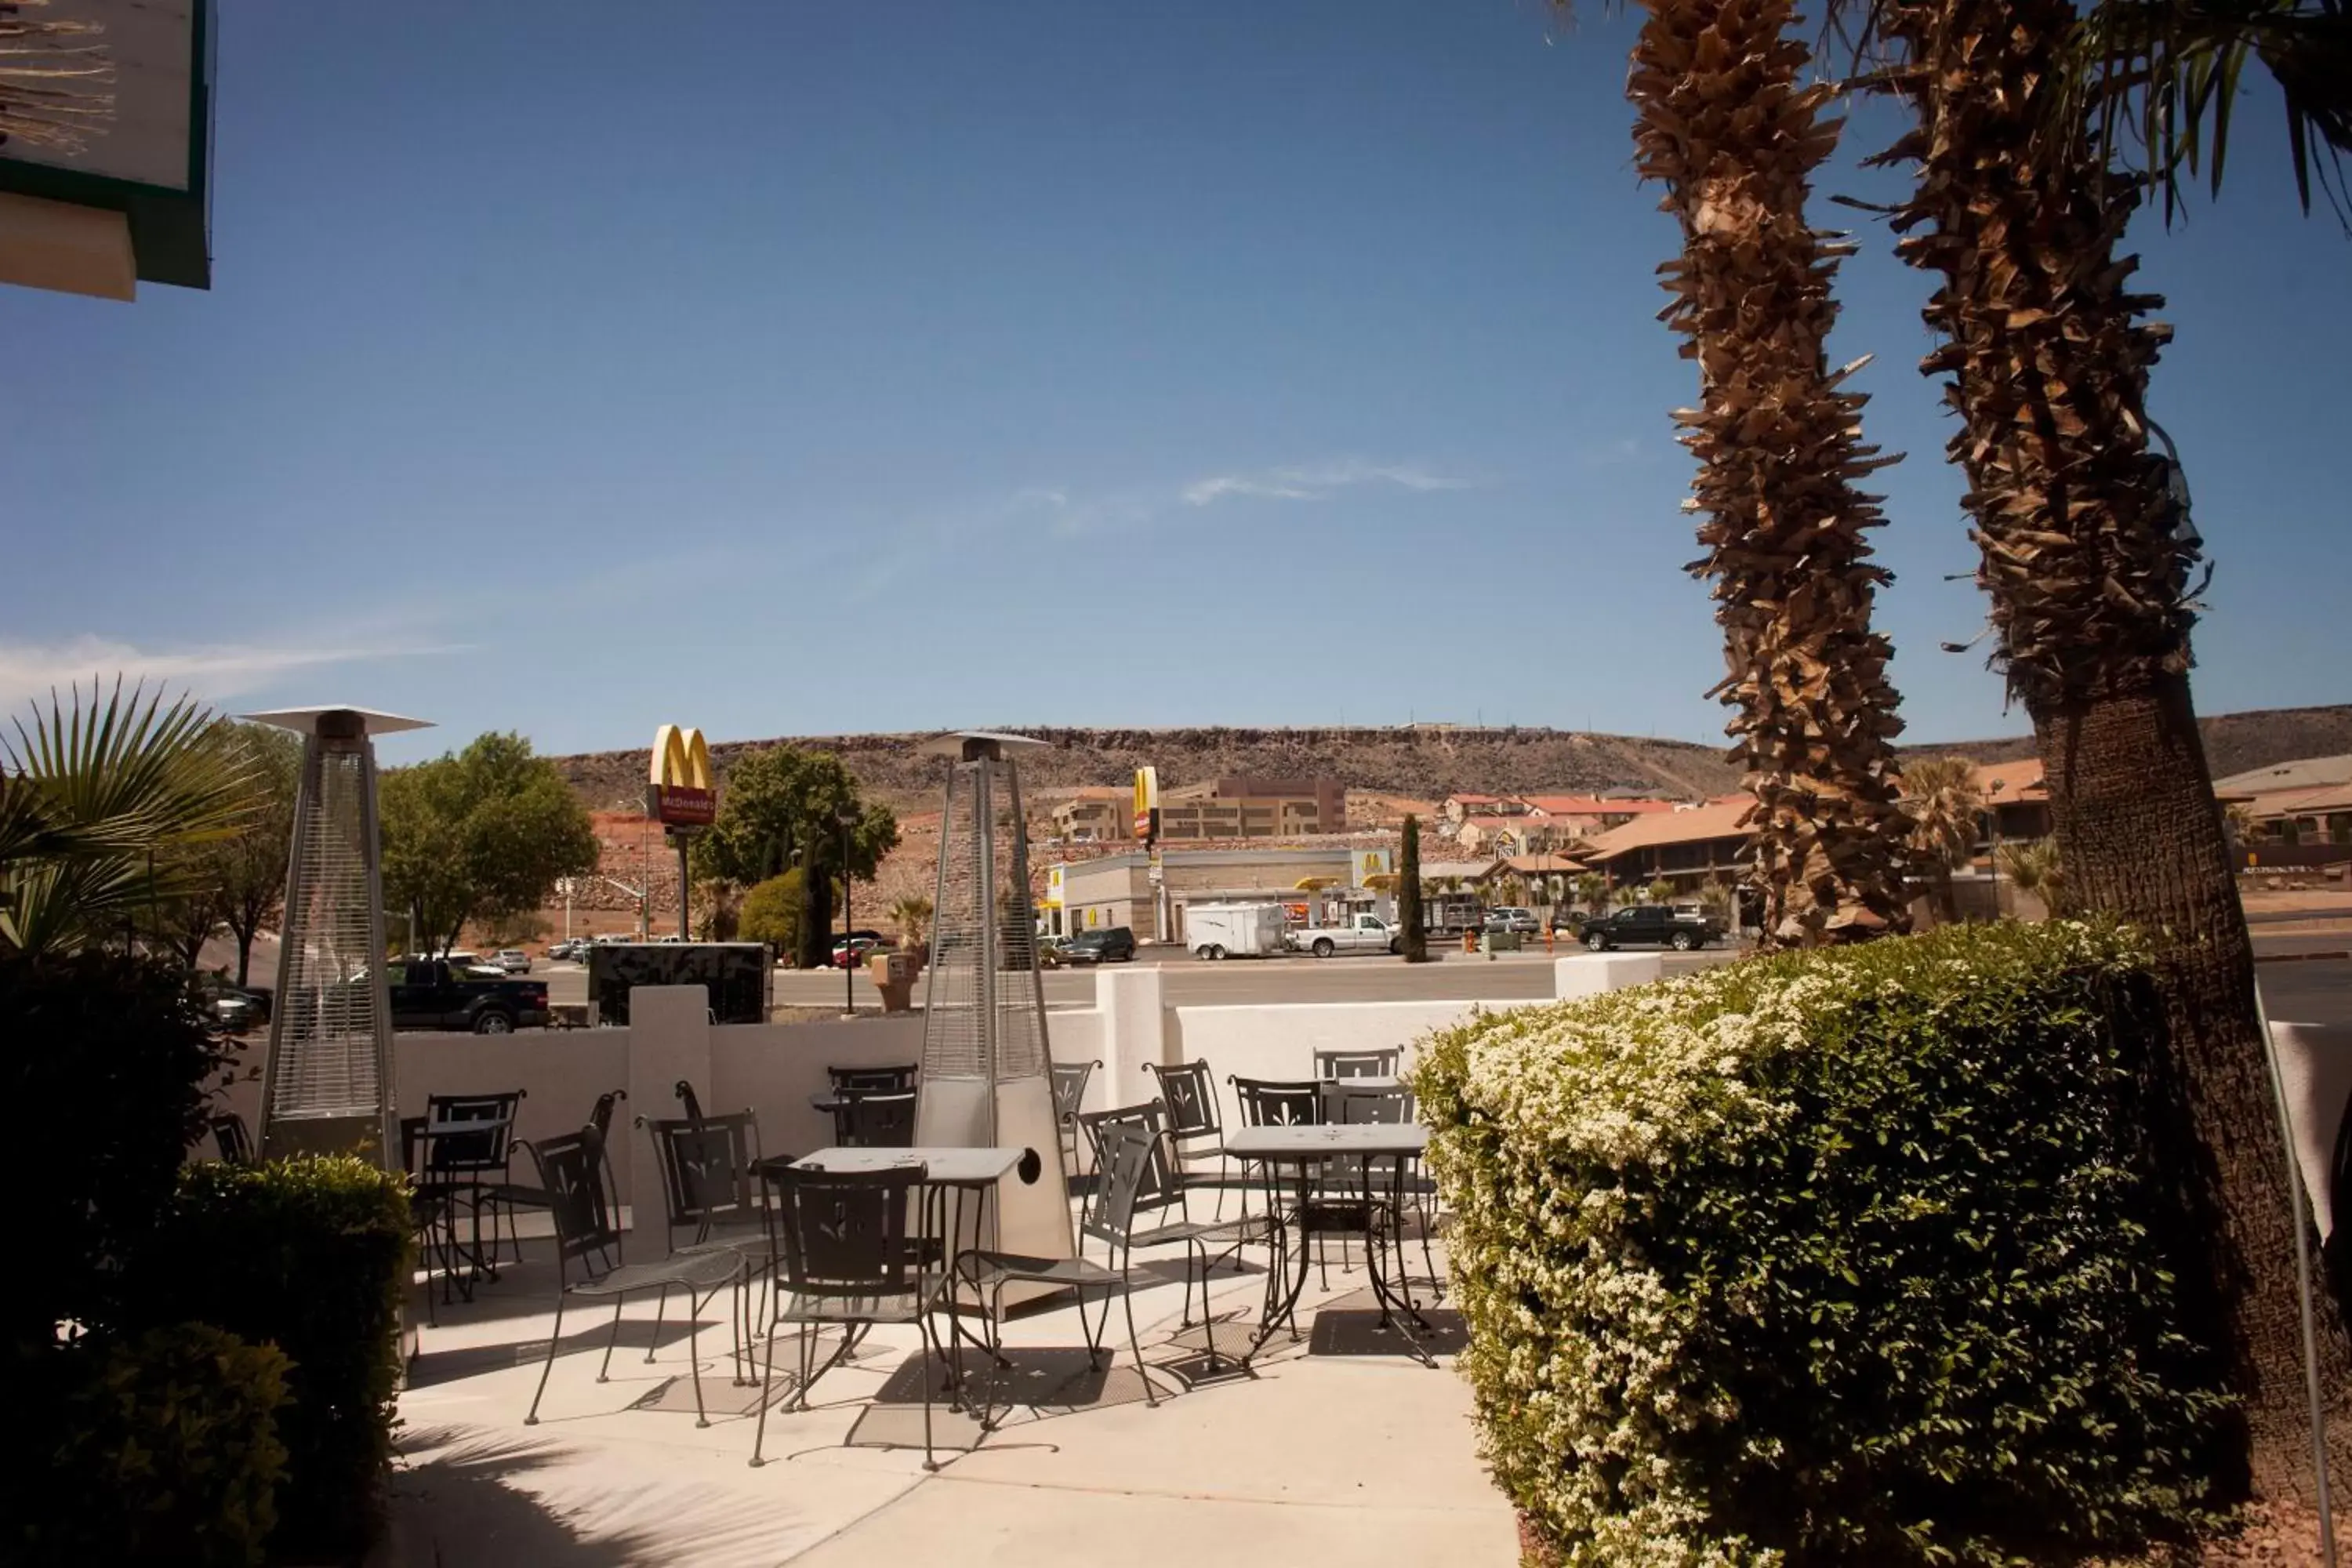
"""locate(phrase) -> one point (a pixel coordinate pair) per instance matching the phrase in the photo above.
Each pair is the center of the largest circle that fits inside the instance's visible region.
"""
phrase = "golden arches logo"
(680, 780)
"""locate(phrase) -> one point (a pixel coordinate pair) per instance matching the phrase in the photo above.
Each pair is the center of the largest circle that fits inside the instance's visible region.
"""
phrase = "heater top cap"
(306, 719)
(957, 743)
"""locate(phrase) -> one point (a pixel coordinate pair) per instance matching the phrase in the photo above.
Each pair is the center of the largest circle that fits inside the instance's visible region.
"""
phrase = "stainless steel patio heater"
(327, 1087)
(987, 1073)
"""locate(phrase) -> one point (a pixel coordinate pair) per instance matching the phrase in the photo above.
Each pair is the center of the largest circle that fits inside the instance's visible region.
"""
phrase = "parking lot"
(2303, 990)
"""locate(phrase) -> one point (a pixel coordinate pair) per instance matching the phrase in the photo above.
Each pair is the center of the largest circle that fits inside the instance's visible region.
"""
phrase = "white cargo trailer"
(1235, 930)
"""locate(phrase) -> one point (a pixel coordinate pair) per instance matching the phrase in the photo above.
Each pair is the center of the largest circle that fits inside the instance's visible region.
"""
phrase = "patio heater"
(987, 1073)
(327, 1087)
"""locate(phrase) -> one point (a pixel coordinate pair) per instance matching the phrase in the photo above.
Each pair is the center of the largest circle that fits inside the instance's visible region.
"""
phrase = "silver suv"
(1512, 918)
(513, 960)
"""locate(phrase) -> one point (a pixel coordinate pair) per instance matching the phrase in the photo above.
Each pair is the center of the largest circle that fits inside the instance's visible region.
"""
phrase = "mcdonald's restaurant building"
(1116, 891)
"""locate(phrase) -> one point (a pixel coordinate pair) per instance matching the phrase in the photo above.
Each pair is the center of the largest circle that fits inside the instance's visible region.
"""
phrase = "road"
(2307, 992)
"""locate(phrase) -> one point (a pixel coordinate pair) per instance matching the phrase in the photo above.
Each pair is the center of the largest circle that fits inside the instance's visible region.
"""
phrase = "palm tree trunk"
(2087, 578)
(1727, 128)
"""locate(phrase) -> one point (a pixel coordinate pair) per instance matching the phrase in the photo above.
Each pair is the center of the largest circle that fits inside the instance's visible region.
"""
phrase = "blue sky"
(794, 368)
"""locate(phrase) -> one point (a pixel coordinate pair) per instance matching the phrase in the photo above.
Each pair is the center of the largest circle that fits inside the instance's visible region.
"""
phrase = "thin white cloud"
(31, 671)
(1317, 481)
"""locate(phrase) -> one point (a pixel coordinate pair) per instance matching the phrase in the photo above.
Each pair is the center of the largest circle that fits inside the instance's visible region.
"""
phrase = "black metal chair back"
(229, 1136)
(883, 1080)
(1378, 1063)
(706, 1171)
(1270, 1102)
(471, 1155)
(1138, 1178)
(1190, 1093)
(874, 1119)
(1162, 1183)
(1386, 1107)
(1070, 1087)
(572, 1175)
(844, 1233)
(601, 1118)
(689, 1099)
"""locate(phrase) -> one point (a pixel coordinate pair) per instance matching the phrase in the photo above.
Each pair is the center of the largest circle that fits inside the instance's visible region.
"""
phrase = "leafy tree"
(250, 870)
(481, 834)
(780, 806)
(1409, 915)
(771, 913)
(102, 810)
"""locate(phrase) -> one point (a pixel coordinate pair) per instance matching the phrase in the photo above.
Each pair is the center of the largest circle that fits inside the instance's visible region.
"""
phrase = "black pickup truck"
(426, 994)
(1653, 925)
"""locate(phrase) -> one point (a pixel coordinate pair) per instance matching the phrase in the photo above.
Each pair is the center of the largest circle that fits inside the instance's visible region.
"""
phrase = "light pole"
(848, 819)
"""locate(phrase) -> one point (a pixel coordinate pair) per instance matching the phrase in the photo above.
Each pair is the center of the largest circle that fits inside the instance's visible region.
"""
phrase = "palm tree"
(1733, 135)
(912, 915)
(2034, 868)
(99, 808)
(2020, 209)
(1942, 798)
(1592, 892)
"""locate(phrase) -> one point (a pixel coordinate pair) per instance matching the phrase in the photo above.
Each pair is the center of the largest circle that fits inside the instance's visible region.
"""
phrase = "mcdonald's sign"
(1146, 805)
(678, 790)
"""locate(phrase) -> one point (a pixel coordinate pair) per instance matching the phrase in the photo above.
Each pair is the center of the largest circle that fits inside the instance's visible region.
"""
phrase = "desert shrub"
(1849, 1257)
(161, 1448)
(309, 1255)
(771, 913)
(105, 1058)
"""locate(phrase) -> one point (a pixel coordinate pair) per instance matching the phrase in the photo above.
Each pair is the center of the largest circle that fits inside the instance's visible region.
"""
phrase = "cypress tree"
(1416, 937)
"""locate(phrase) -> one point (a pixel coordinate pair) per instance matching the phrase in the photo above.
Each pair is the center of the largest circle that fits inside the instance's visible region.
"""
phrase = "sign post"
(678, 796)
(1147, 828)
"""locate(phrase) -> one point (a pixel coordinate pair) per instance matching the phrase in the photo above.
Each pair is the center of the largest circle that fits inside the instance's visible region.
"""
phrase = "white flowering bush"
(1852, 1257)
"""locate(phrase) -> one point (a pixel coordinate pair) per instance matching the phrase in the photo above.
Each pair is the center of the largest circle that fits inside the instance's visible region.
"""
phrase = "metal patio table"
(1303, 1150)
(947, 1172)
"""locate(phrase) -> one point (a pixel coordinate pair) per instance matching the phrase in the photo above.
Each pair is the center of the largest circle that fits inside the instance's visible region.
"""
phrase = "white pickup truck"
(1362, 933)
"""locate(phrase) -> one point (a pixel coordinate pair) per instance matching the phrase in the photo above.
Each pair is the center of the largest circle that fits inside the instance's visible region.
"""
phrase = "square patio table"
(1304, 1148)
(447, 1185)
(945, 1169)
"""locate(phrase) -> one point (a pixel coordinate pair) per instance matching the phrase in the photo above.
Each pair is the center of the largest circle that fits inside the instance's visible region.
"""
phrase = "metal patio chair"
(886, 1080)
(711, 1194)
(1293, 1102)
(1393, 1107)
(477, 1169)
(1379, 1062)
(1140, 1180)
(843, 1257)
(1070, 1080)
(572, 1172)
(874, 1119)
(1189, 1091)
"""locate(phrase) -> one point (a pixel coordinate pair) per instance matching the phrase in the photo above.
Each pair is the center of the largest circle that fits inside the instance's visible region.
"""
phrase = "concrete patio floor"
(1344, 1458)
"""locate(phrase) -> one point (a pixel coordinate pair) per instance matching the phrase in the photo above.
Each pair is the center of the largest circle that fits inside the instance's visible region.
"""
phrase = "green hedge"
(309, 1255)
(159, 1449)
(1851, 1256)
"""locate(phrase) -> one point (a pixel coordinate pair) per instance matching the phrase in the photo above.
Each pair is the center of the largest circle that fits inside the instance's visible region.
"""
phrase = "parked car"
(1359, 934)
(513, 961)
(1052, 952)
(1109, 944)
(234, 1007)
(433, 994)
(1512, 918)
(575, 949)
(1653, 925)
(1566, 922)
(851, 955)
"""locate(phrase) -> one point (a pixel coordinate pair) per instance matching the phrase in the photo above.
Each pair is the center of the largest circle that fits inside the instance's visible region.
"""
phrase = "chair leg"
(922, 1329)
(767, 1382)
(661, 1305)
(547, 1365)
(694, 1354)
(1135, 1345)
(611, 1338)
(1208, 1318)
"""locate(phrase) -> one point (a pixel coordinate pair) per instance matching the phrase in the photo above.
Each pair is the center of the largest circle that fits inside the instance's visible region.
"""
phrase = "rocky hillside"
(1421, 763)
(2234, 742)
